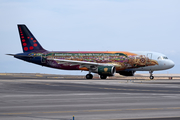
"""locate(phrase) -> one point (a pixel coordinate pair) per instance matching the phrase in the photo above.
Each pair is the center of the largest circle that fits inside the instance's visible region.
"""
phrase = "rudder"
(28, 41)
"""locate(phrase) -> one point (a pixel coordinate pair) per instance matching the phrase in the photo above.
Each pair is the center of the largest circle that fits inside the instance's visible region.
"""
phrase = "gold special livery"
(104, 63)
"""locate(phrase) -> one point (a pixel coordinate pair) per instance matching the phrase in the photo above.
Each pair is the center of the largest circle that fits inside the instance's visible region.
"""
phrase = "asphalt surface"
(45, 99)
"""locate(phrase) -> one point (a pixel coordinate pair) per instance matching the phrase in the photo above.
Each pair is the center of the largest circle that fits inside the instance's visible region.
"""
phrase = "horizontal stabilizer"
(20, 55)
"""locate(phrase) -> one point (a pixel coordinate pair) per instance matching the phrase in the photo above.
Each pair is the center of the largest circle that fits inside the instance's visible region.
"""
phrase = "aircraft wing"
(81, 63)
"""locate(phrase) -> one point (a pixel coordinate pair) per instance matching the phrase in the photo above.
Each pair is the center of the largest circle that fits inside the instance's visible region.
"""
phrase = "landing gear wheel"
(151, 77)
(103, 76)
(89, 76)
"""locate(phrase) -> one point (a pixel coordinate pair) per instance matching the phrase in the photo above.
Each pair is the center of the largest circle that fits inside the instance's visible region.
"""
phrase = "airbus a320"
(104, 63)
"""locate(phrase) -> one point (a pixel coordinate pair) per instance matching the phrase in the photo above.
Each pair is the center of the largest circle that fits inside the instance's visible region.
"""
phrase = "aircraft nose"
(170, 64)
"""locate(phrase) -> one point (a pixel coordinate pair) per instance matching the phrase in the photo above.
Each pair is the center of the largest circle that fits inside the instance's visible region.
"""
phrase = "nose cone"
(170, 64)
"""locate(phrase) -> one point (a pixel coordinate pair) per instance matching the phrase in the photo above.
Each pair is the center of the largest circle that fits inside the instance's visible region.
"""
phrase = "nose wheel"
(151, 75)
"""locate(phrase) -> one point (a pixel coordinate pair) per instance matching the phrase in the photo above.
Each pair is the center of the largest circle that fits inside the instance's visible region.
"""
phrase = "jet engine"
(127, 73)
(106, 70)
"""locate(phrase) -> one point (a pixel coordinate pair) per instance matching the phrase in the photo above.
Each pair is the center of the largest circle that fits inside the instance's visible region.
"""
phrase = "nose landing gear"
(151, 75)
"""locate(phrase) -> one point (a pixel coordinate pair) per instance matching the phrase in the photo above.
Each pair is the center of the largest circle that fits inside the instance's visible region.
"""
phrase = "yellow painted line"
(39, 75)
(3, 74)
(109, 88)
(55, 77)
(23, 76)
(174, 108)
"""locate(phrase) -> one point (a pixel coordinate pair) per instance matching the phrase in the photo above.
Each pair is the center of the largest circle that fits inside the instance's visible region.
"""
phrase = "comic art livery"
(101, 62)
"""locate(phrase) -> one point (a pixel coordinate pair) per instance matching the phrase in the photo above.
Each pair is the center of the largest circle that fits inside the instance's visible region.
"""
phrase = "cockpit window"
(162, 57)
(165, 57)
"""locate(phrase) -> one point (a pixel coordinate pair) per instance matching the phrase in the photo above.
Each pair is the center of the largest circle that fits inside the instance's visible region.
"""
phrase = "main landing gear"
(151, 75)
(103, 76)
(89, 76)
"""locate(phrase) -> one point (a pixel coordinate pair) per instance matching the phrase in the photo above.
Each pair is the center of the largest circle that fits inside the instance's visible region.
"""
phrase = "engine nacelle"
(127, 73)
(106, 70)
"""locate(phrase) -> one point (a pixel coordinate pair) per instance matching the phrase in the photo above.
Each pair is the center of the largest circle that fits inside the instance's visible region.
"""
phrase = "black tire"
(89, 76)
(103, 76)
(151, 77)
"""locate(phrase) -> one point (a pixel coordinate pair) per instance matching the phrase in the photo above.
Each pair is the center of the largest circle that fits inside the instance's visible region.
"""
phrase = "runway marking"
(103, 110)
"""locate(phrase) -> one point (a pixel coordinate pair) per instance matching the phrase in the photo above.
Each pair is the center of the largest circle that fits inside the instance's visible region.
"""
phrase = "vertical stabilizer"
(28, 41)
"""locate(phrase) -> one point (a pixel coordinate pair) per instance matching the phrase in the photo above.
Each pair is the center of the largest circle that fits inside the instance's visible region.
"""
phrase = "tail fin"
(28, 41)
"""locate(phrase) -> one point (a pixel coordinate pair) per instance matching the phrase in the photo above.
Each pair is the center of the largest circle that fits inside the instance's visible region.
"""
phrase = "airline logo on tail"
(28, 41)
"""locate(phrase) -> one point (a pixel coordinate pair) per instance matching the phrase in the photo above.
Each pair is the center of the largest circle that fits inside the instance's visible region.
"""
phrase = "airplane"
(104, 63)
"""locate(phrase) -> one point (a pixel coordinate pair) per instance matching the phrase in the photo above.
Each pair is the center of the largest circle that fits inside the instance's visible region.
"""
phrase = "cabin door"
(149, 55)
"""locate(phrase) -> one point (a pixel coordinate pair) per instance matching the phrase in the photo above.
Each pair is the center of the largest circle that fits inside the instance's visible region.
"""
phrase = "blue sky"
(90, 25)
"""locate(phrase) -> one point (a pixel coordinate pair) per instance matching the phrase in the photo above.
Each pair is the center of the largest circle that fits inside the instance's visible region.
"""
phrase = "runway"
(59, 99)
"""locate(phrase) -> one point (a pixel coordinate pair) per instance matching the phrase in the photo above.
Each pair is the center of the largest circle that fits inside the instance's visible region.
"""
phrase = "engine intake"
(106, 70)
